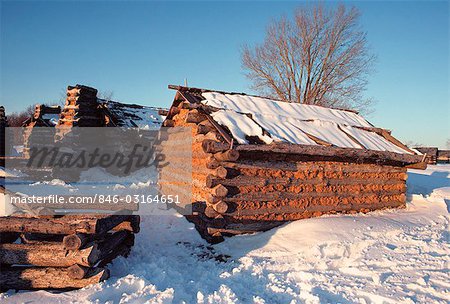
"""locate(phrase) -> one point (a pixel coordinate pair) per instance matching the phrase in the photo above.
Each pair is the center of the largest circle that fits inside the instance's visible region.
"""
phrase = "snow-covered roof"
(253, 119)
(134, 116)
(295, 123)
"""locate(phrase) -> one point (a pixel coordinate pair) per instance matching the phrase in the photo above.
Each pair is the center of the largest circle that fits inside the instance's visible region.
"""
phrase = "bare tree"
(107, 95)
(319, 57)
(16, 119)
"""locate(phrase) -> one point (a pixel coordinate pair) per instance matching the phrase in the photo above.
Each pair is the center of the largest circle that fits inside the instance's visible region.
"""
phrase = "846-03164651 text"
(96, 199)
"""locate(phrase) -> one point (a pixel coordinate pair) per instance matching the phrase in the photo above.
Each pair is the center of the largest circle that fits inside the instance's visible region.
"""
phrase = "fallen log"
(47, 254)
(47, 278)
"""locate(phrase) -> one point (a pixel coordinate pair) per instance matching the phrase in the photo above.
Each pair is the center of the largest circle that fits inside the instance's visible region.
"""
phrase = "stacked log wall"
(67, 252)
(234, 193)
(36, 120)
(81, 108)
(3, 124)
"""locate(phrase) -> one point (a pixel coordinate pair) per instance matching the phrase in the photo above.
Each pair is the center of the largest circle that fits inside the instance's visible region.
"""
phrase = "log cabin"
(258, 163)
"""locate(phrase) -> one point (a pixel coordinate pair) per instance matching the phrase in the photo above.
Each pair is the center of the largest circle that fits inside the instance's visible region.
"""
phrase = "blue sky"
(136, 49)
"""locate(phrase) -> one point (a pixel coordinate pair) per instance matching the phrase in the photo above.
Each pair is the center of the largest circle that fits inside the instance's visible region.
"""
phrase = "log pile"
(247, 188)
(65, 252)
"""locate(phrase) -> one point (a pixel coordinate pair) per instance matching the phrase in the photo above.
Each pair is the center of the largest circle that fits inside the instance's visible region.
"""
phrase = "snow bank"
(392, 256)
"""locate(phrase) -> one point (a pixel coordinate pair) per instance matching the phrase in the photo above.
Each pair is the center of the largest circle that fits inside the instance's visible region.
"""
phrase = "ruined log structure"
(3, 125)
(39, 251)
(258, 163)
(64, 252)
(434, 155)
(84, 109)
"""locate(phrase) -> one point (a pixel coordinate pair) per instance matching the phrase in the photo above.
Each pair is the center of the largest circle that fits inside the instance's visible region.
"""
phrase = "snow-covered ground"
(393, 256)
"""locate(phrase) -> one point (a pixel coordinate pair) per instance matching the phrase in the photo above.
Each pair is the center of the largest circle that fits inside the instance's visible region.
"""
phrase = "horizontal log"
(210, 198)
(47, 254)
(229, 155)
(258, 165)
(210, 212)
(195, 117)
(219, 191)
(163, 112)
(360, 155)
(257, 181)
(241, 180)
(111, 243)
(19, 278)
(31, 238)
(221, 207)
(273, 196)
(76, 241)
(64, 225)
(168, 123)
(218, 172)
(122, 249)
(202, 129)
(77, 272)
(212, 146)
(80, 100)
(80, 240)
(212, 163)
(288, 213)
(81, 90)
